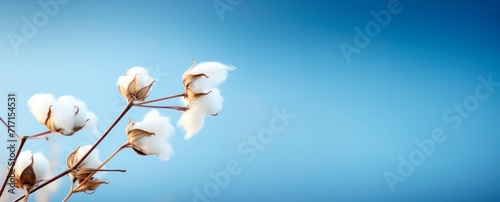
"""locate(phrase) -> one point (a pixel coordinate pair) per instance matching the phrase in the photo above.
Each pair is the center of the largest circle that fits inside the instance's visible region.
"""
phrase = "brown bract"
(133, 92)
(49, 122)
(80, 174)
(27, 177)
(187, 79)
(135, 134)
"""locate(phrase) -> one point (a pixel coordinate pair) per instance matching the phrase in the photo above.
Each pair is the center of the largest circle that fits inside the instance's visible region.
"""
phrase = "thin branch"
(163, 107)
(125, 110)
(40, 134)
(10, 129)
(161, 99)
(73, 180)
(107, 170)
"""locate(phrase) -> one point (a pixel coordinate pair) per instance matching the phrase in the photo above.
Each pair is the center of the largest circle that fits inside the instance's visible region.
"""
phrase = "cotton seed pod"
(187, 79)
(50, 124)
(135, 134)
(29, 169)
(81, 173)
(135, 84)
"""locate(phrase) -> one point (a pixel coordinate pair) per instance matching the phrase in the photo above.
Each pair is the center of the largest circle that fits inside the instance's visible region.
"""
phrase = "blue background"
(352, 120)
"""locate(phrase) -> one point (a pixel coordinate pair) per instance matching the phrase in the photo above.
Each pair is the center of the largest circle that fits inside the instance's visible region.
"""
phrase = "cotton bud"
(135, 84)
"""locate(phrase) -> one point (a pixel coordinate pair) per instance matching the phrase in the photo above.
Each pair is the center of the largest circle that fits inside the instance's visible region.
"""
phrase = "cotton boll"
(63, 116)
(191, 121)
(141, 74)
(158, 143)
(23, 161)
(216, 72)
(40, 164)
(63, 113)
(92, 161)
(39, 105)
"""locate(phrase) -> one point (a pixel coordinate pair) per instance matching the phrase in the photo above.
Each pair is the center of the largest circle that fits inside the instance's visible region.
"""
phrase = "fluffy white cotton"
(39, 105)
(92, 161)
(40, 164)
(193, 119)
(156, 144)
(142, 75)
(62, 112)
(216, 72)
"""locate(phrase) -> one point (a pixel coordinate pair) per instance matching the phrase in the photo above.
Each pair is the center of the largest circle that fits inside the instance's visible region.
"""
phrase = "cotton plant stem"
(102, 164)
(179, 108)
(27, 189)
(125, 110)
(73, 180)
(161, 99)
(40, 134)
(11, 169)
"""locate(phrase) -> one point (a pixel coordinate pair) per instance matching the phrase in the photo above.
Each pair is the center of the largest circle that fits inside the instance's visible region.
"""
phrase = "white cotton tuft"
(209, 104)
(40, 164)
(39, 105)
(141, 74)
(216, 72)
(92, 161)
(191, 121)
(156, 144)
(63, 112)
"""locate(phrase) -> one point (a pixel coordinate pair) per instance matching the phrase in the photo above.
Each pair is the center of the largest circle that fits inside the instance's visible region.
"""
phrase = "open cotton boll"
(141, 74)
(216, 72)
(63, 116)
(156, 144)
(92, 161)
(23, 161)
(191, 121)
(39, 105)
(67, 113)
(40, 164)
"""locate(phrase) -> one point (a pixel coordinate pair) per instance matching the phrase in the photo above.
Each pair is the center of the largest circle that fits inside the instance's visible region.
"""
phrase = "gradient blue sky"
(353, 120)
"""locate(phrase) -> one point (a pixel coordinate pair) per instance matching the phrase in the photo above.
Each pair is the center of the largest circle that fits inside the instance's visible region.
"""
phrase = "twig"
(161, 99)
(73, 180)
(163, 107)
